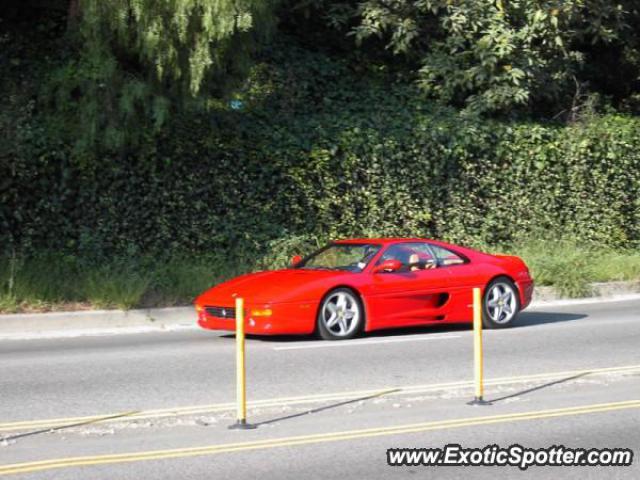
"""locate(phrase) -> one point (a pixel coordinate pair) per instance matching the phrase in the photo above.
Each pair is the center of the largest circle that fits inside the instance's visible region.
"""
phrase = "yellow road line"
(29, 467)
(299, 400)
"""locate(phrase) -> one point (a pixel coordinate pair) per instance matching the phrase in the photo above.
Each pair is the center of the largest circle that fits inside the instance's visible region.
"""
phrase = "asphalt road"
(554, 360)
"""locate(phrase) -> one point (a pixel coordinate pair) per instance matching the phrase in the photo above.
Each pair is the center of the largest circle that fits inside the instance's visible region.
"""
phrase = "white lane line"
(366, 342)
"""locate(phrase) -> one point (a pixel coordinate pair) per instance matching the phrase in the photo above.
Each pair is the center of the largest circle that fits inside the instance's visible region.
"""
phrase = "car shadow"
(524, 320)
(532, 319)
(391, 332)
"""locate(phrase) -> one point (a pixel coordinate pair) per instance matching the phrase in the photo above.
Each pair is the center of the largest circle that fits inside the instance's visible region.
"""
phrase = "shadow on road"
(392, 332)
(530, 319)
(69, 425)
(328, 407)
(539, 387)
(525, 319)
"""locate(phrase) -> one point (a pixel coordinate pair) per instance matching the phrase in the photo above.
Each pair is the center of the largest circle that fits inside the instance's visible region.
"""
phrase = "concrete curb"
(62, 324)
(103, 322)
(597, 290)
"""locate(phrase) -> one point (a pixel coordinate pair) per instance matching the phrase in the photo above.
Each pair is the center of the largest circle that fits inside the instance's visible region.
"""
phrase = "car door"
(408, 296)
(463, 276)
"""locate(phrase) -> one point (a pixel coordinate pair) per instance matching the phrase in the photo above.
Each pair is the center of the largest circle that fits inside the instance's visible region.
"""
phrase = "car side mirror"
(388, 266)
(296, 260)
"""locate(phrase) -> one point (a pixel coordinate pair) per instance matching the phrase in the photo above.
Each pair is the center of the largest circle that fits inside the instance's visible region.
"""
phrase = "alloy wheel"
(341, 313)
(502, 303)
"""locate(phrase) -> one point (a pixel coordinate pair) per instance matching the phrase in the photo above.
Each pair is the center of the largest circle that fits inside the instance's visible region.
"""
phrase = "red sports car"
(350, 286)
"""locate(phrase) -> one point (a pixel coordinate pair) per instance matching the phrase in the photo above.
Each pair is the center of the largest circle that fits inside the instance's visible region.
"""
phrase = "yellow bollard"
(477, 349)
(241, 381)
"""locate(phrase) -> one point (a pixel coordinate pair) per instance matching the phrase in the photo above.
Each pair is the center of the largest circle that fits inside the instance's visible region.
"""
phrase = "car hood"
(278, 286)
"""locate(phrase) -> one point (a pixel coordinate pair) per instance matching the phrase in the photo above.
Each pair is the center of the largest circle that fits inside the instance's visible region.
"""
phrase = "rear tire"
(500, 304)
(340, 315)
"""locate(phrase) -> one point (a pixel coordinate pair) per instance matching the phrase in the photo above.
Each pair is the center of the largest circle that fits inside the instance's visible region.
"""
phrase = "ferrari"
(351, 286)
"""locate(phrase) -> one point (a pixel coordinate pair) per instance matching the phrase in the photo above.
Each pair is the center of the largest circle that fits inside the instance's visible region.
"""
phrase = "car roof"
(469, 252)
(385, 241)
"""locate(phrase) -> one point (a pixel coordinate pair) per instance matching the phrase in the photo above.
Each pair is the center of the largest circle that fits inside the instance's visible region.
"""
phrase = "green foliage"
(54, 281)
(181, 278)
(279, 252)
(115, 286)
(177, 43)
(374, 164)
(51, 280)
(326, 142)
(320, 152)
(492, 56)
(570, 266)
(136, 63)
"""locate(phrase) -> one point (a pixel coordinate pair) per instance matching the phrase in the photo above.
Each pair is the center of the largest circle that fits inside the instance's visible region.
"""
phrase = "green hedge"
(377, 162)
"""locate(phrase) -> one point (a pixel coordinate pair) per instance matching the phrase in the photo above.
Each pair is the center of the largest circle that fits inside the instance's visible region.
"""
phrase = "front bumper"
(285, 319)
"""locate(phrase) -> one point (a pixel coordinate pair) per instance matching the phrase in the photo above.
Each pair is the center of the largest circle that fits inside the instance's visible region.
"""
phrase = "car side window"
(413, 256)
(446, 258)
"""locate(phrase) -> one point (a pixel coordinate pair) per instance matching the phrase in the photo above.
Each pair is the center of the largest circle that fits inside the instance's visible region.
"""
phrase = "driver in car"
(416, 264)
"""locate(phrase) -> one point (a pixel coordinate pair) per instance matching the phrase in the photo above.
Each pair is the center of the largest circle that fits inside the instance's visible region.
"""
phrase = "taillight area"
(519, 267)
(524, 274)
(526, 269)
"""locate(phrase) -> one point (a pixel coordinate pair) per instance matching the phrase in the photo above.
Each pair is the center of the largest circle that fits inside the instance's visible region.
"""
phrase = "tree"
(494, 55)
(137, 61)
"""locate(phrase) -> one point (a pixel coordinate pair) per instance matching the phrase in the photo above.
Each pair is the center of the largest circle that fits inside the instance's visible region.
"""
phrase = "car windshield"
(353, 257)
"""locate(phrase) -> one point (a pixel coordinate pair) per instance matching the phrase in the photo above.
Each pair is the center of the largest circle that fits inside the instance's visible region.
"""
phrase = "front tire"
(501, 303)
(340, 315)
